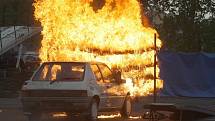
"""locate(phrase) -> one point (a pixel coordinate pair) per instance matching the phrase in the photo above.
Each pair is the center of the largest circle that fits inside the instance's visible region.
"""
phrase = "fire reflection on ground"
(103, 116)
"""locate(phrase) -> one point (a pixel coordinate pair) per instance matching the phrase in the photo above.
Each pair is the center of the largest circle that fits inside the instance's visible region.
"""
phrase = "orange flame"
(110, 31)
(59, 114)
(116, 115)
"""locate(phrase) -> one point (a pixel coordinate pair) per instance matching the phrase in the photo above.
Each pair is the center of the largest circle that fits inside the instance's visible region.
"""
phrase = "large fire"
(110, 31)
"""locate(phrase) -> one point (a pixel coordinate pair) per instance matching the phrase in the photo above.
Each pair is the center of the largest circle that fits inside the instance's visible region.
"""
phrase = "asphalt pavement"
(11, 108)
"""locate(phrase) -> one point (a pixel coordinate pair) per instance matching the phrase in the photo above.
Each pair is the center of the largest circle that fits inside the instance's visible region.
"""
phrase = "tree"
(182, 26)
(16, 12)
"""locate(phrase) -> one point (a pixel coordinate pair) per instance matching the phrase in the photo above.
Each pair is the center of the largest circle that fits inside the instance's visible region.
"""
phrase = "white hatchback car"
(74, 87)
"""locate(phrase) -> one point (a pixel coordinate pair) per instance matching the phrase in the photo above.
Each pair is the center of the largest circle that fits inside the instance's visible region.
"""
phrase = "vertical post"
(15, 18)
(0, 39)
(28, 30)
(14, 27)
(3, 13)
(28, 18)
(19, 56)
(155, 56)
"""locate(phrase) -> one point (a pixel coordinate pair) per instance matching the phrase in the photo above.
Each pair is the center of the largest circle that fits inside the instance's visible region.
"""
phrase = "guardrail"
(10, 38)
(9, 30)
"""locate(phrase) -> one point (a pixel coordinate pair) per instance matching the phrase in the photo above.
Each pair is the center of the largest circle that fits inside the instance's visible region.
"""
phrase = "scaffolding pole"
(155, 57)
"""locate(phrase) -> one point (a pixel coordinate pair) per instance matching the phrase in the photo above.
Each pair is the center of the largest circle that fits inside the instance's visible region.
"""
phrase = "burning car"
(74, 87)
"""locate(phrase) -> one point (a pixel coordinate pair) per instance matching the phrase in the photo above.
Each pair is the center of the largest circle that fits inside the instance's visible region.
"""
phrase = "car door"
(102, 88)
(114, 99)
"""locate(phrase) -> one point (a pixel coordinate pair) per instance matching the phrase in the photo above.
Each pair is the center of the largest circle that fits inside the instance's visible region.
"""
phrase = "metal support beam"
(14, 27)
(19, 56)
(155, 61)
(1, 39)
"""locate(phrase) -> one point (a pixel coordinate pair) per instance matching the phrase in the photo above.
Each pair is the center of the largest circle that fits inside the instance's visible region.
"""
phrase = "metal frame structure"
(155, 63)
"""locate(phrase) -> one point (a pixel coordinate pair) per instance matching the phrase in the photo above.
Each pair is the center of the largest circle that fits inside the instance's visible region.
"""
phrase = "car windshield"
(64, 71)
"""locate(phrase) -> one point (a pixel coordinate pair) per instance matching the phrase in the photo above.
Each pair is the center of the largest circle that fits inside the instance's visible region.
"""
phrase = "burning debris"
(110, 116)
(117, 115)
(110, 31)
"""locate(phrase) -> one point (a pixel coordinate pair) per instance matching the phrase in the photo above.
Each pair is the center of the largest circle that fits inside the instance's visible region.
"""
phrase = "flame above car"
(110, 31)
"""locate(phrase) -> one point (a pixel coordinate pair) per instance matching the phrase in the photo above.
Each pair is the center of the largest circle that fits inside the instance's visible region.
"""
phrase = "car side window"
(97, 73)
(106, 73)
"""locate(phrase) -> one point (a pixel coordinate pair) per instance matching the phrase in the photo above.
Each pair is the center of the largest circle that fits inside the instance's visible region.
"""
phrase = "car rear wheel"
(93, 110)
(35, 116)
(127, 107)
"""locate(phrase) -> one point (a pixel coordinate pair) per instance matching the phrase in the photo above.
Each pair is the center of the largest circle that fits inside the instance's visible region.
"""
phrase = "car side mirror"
(117, 76)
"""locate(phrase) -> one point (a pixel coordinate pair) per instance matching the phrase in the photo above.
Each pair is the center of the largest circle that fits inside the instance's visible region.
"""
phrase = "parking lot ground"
(11, 108)
(206, 103)
(12, 114)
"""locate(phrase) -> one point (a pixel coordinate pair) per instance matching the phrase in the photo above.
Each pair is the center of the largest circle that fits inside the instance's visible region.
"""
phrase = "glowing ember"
(110, 31)
(110, 116)
(135, 117)
(59, 114)
(117, 116)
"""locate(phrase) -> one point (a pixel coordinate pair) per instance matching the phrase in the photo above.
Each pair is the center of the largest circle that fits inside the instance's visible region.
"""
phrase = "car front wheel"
(127, 107)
